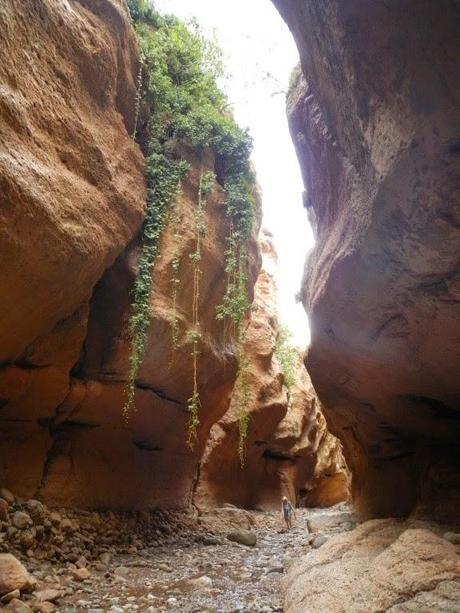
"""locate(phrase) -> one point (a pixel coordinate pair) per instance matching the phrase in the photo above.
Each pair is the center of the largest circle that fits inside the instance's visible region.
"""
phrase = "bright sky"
(256, 44)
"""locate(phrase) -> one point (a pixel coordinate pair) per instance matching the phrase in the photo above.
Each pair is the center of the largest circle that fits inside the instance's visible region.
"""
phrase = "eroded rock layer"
(288, 450)
(375, 120)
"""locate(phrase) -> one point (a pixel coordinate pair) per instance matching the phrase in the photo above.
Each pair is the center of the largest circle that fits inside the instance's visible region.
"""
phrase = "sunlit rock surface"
(375, 121)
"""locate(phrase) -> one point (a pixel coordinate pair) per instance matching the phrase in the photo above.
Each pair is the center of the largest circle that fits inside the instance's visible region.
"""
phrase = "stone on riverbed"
(21, 520)
(48, 595)
(329, 521)
(452, 537)
(3, 510)
(36, 511)
(244, 537)
(200, 583)
(17, 606)
(13, 575)
(10, 596)
(80, 574)
(7, 495)
(318, 541)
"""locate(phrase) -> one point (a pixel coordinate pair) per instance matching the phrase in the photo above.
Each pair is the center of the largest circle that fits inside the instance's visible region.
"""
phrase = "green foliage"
(142, 10)
(176, 225)
(294, 78)
(287, 355)
(194, 407)
(179, 93)
(243, 400)
(162, 178)
(194, 404)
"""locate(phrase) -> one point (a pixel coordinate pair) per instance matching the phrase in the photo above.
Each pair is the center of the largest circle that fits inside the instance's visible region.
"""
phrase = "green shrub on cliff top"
(180, 96)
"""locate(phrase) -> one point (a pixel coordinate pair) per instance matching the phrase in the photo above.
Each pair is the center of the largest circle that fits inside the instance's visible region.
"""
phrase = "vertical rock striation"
(375, 119)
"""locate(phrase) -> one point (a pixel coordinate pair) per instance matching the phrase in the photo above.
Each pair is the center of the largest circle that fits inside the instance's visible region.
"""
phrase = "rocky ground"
(161, 561)
(223, 560)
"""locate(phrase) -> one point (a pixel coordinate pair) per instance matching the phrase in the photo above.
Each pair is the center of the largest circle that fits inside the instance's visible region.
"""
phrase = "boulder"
(17, 606)
(329, 521)
(379, 565)
(222, 518)
(21, 520)
(243, 537)
(13, 575)
(318, 541)
(36, 511)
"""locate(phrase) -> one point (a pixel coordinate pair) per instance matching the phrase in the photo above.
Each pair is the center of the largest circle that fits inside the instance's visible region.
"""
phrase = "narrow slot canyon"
(156, 406)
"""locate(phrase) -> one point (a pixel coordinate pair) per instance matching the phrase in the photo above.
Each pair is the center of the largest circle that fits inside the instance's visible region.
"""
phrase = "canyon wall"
(288, 450)
(73, 197)
(375, 119)
(72, 201)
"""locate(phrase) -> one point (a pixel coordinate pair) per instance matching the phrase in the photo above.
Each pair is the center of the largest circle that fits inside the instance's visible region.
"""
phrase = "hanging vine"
(176, 224)
(206, 182)
(235, 305)
(178, 91)
(162, 178)
(137, 103)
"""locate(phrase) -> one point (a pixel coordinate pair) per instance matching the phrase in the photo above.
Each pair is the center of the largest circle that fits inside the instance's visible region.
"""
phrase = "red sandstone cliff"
(375, 120)
(72, 201)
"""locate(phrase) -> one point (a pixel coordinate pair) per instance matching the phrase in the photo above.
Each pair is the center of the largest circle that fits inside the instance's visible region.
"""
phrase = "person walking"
(287, 511)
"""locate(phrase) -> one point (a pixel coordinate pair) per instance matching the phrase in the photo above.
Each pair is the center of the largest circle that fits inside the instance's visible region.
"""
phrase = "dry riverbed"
(172, 562)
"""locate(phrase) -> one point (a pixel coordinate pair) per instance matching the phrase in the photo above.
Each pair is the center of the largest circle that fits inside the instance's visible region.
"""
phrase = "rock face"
(375, 122)
(380, 566)
(288, 449)
(72, 199)
(152, 464)
(331, 480)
